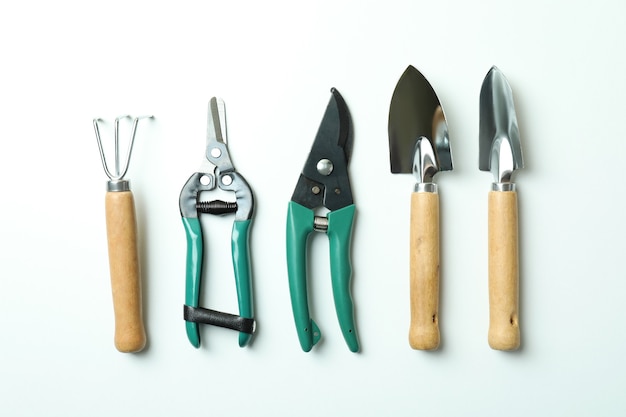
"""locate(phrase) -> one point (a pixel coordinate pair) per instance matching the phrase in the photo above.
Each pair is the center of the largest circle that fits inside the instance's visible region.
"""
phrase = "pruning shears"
(324, 183)
(217, 170)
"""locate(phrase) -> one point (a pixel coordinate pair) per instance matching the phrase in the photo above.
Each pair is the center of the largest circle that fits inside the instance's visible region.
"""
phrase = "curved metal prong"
(119, 172)
(102, 157)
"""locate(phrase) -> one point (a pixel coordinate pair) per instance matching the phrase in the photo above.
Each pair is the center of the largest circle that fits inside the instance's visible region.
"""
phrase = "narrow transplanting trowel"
(418, 143)
(501, 153)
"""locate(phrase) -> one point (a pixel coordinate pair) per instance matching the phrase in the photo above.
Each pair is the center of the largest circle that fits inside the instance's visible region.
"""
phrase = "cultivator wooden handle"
(130, 335)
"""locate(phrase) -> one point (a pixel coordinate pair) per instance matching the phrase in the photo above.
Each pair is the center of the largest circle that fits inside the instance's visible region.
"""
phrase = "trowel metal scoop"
(418, 143)
(501, 154)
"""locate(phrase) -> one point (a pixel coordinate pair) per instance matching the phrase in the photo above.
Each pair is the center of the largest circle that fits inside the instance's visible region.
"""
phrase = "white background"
(273, 62)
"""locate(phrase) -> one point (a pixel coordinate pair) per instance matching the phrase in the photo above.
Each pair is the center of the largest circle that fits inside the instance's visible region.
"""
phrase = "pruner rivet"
(205, 180)
(315, 190)
(227, 180)
(325, 166)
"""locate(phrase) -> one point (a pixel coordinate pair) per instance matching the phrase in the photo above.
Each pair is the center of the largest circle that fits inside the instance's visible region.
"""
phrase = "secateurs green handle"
(324, 182)
(241, 265)
(217, 171)
(300, 223)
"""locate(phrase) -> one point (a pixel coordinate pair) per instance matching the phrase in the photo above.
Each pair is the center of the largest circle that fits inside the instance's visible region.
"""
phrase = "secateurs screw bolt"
(130, 335)
(324, 182)
(217, 170)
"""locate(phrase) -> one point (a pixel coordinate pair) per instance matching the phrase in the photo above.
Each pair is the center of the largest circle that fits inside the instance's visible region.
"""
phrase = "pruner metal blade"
(216, 126)
(324, 180)
(217, 149)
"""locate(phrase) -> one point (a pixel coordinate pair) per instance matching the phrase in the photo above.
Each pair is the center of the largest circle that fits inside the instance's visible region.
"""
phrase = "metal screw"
(325, 166)
(205, 180)
(227, 180)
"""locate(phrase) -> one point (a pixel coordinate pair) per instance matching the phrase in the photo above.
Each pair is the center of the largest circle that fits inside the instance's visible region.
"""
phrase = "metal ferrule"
(426, 187)
(118, 185)
(503, 186)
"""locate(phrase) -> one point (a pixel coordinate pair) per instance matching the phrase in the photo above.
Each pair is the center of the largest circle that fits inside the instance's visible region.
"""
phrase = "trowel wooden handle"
(424, 263)
(504, 331)
(130, 335)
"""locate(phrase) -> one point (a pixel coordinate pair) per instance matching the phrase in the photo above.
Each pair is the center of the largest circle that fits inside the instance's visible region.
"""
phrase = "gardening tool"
(217, 170)
(501, 153)
(418, 143)
(130, 335)
(324, 183)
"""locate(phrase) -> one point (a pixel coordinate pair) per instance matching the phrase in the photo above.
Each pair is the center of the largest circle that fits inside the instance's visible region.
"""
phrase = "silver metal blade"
(217, 142)
(500, 149)
(416, 114)
(216, 126)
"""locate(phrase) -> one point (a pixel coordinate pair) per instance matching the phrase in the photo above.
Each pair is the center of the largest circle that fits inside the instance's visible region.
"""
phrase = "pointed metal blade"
(216, 126)
(326, 168)
(500, 149)
(345, 138)
(415, 112)
(217, 146)
(334, 135)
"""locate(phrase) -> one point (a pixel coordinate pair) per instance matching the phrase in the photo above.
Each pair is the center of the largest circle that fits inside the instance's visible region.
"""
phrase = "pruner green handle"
(195, 250)
(241, 266)
(243, 277)
(300, 223)
(340, 237)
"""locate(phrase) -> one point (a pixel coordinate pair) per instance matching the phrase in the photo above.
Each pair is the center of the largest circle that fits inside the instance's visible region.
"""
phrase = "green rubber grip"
(299, 225)
(243, 277)
(195, 249)
(340, 237)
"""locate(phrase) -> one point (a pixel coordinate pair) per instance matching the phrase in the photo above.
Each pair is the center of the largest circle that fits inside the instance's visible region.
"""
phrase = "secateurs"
(217, 170)
(324, 183)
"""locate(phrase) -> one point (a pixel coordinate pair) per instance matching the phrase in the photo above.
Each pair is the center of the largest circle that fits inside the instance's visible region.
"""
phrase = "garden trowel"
(418, 143)
(501, 153)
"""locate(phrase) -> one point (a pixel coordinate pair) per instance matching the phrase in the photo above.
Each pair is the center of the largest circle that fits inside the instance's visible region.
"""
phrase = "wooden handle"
(504, 331)
(424, 330)
(130, 335)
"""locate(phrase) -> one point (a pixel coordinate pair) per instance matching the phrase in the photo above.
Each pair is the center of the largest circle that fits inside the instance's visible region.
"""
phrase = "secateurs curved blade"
(217, 170)
(324, 183)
